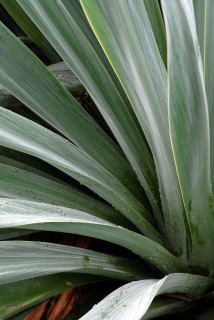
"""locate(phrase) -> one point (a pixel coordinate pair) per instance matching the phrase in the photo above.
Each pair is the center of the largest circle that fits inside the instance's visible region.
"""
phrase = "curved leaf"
(40, 216)
(14, 233)
(125, 33)
(20, 184)
(81, 51)
(165, 306)
(31, 164)
(27, 259)
(132, 300)
(26, 77)
(24, 135)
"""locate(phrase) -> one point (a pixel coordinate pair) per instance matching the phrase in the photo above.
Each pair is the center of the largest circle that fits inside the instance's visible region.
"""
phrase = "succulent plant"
(136, 171)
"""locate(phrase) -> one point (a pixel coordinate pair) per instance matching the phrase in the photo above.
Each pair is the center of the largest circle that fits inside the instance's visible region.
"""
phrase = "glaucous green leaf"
(24, 22)
(41, 216)
(66, 77)
(204, 12)
(21, 184)
(189, 127)
(29, 259)
(26, 136)
(132, 300)
(27, 78)
(156, 21)
(124, 31)
(61, 71)
(81, 51)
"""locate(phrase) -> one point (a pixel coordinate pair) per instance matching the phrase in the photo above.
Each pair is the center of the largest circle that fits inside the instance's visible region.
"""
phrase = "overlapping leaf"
(204, 11)
(29, 28)
(132, 300)
(83, 54)
(31, 82)
(156, 21)
(21, 184)
(61, 72)
(188, 112)
(40, 216)
(26, 259)
(124, 31)
(23, 294)
(24, 135)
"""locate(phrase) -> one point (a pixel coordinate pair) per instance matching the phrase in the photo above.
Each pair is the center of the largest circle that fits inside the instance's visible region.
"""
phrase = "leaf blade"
(82, 53)
(188, 110)
(16, 213)
(29, 28)
(26, 136)
(125, 33)
(157, 24)
(20, 184)
(44, 98)
(204, 11)
(29, 259)
(132, 300)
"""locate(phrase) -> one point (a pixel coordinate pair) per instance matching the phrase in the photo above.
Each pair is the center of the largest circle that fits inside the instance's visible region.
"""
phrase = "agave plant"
(136, 172)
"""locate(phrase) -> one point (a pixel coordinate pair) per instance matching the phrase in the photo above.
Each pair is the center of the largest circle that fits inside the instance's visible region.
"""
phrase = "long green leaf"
(83, 54)
(125, 33)
(33, 84)
(26, 259)
(187, 111)
(29, 28)
(31, 164)
(61, 71)
(21, 184)
(40, 216)
(204, 11)
(23, 294)
(156, 21)
(132, 300)
(24, 135)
